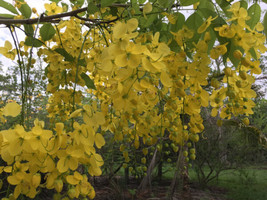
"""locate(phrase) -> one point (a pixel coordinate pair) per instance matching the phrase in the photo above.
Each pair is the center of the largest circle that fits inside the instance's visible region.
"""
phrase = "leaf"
(64, 6)
(82, 62)
(265, 23)
(80, 2)
(244, 4)
(65, 54)
(230, 53)
(180, 19)
(135, 6)
(88, 82)
(106, 3)
(7, 16)
(8, 7)
(12, 109)
(165, 79)
(56, 1)
(28, 29)
(150, 20)
(188, 2)
(30, 41)
(253, 53)
(25, 9)
(100, 118)
(99, 140)
(255, 14)
(147, 8)
(92, 8)
(174, 47)
(194, 21)
(47, 32)
(163, 3)
(207, 5)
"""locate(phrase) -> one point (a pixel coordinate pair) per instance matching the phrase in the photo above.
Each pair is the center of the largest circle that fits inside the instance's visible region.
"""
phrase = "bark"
(177, 175)
(148, 178)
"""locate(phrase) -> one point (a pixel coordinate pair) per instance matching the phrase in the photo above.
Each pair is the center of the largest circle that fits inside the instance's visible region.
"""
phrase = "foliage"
(233, 145)
(146, 69)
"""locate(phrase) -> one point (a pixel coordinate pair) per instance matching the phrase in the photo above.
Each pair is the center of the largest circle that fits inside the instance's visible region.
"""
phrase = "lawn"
(243, 184)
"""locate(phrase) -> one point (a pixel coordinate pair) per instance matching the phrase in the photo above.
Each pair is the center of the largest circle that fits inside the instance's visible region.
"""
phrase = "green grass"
(245, 184)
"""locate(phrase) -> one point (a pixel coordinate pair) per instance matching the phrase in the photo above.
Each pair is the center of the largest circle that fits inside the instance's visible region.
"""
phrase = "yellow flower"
(147, 9)
(7, 50)
(206, 24)
(218, 50)
(239, 14)
(52, 8)
(226, 31)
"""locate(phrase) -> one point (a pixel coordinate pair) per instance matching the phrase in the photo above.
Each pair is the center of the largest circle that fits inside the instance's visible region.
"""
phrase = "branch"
(56, 18)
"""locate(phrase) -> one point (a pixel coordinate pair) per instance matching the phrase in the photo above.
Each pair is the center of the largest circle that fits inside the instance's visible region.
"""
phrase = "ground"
(116, 191)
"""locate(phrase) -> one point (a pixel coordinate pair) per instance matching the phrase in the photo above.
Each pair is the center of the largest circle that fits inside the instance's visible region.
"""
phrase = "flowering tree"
(148, 71)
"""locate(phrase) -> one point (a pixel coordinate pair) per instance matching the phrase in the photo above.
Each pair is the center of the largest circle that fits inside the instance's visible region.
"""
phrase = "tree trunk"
(148, 178)
(177, 179)
(126, 175)
(160, 170)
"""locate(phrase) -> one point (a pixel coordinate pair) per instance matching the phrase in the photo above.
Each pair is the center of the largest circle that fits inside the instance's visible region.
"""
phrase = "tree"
(146, 68)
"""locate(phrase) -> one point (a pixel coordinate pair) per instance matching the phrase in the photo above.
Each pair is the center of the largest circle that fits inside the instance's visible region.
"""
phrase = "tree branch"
(56, 18)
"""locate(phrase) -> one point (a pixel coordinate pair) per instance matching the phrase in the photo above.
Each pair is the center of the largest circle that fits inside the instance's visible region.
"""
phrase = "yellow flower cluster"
(54, 154)
(143, 92)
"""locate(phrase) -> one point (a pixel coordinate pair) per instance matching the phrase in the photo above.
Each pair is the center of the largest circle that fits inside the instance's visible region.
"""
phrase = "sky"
(5, 34)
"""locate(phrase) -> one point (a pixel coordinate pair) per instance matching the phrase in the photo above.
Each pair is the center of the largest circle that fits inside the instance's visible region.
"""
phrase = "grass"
(244, 184)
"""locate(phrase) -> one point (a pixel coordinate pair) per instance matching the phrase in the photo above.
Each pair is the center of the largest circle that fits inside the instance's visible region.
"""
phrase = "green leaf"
(82, 62)
(135, 6)
(165, 3)
(243, 4)
(28, 30)
(223, 3)
(255, 14)
(64, 6)
(80, 2)
(194, 21)
(106, 3)
(47, 31)
(56, 1)
(265, 1)
(25, 9)
(230, 53)
(174, 47)
(8, 7)
(92, 8)
(206, 4)
(188, 2)
(207, 12)
(265, 23)
(180, 19)
(65, 54)
(212, 39)
(253, 53)
(30, 41)
(88, 82)
(8, 16)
